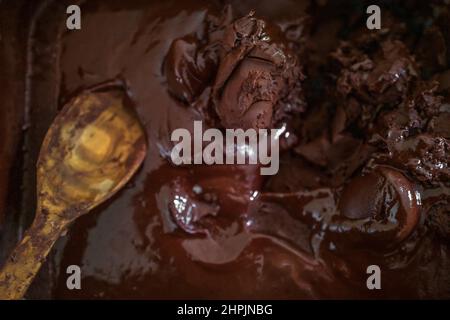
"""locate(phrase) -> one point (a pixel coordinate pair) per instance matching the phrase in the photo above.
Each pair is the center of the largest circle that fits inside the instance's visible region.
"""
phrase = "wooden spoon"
(91, 150)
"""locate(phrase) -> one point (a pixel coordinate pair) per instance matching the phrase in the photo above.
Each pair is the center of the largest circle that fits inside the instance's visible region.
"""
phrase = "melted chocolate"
(364, 174)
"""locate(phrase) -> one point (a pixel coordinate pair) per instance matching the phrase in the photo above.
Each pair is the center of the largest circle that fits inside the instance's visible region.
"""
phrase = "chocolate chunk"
(371, 78)
(415, 135)
(253, 76)
(425, 156)
(363, 197)
(387, 203)
(248, 98)
(255, 82)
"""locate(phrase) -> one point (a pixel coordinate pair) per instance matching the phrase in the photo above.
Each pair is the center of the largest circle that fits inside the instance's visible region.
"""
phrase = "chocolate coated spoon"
(94, 146)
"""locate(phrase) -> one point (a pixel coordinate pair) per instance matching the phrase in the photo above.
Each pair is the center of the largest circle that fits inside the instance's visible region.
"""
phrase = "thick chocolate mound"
(253, 77)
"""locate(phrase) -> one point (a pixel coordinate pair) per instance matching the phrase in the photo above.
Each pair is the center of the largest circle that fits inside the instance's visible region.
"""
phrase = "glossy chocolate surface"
(364, 173)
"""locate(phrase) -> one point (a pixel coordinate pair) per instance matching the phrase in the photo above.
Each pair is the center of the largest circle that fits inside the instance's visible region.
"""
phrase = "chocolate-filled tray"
(245, 235)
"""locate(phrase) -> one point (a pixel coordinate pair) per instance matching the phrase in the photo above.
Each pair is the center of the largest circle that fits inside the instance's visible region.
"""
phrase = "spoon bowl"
(92, 149)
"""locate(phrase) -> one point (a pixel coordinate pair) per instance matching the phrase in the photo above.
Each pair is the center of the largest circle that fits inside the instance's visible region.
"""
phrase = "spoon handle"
(25, 261)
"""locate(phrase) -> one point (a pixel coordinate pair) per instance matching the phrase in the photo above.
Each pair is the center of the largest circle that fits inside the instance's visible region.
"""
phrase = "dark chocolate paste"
(364, 174)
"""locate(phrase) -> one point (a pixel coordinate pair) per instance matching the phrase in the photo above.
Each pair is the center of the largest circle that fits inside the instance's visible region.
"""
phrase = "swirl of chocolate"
(381, 207)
